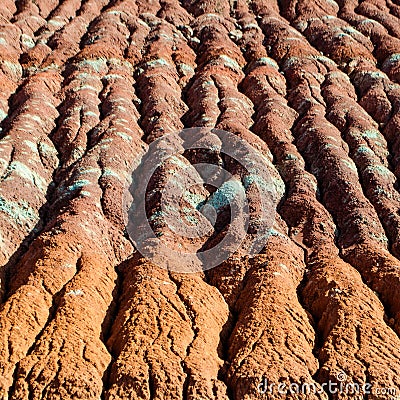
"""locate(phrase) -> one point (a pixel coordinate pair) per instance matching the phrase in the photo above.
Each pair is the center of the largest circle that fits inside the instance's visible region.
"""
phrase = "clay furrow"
(394, 8)
(59, 17)
(332, 292)
(10, 69)
(94, 280)
(385, 110)
(85, 175)
(168, 350)
(173, 12)
(379, 11)
(199, 8)
(171, 364)
(45, 149)
(221, 67)
(64, 41)
(87, 110)
(353, 59)
(273, 349)
(386, 46)
(207, 96)
(39, 374)
(152, 7)
(80, 109)
(377, 180)
(159, 73)
(29, 19)
(367, 265)
(168, 365)
(369, 43)
(209, 313)
(191, 376)
(99, 107)
(31, 167)
(35, 109)
(322, 255)
(51, 16)
(39, 89)
(45, 7)
(356, 238)
(88, 186)
(31, 299)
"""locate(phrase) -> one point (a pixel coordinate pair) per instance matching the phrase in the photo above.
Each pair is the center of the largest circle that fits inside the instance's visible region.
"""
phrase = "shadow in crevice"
(223, 350)
(111, 315)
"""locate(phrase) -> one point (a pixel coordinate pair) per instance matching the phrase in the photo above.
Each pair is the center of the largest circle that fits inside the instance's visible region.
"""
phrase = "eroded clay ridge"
(87, 86)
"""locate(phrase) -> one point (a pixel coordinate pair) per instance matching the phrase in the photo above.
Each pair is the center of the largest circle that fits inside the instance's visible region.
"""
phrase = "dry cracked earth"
(87, 86)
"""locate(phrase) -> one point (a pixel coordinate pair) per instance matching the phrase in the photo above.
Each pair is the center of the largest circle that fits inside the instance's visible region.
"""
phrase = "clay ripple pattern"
(88, 86)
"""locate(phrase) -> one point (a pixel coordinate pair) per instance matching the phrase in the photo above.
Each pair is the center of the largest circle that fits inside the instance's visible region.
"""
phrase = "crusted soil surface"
(86, 86)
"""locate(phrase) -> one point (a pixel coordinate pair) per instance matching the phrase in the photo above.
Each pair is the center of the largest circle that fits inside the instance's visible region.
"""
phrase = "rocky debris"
(88, 87)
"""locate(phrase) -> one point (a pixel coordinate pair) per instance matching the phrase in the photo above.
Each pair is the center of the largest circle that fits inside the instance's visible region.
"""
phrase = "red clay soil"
(86, 86)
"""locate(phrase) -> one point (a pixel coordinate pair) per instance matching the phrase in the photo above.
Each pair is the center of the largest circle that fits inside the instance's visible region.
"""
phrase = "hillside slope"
(87, 86)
